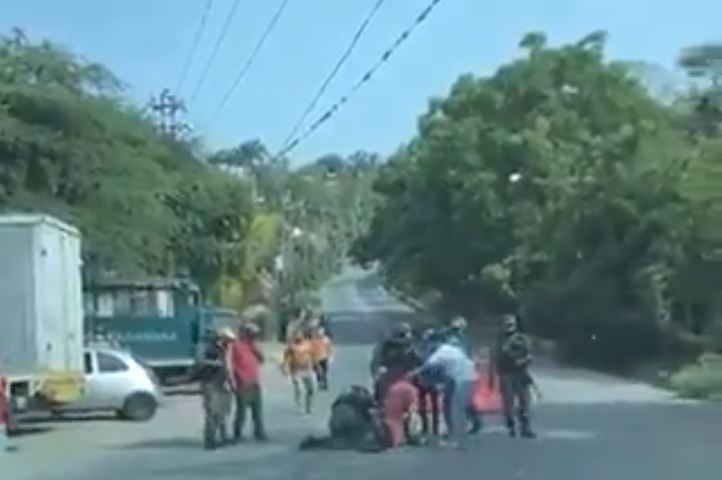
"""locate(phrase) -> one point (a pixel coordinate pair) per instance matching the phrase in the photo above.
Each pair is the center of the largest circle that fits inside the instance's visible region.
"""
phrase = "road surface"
(591, 427)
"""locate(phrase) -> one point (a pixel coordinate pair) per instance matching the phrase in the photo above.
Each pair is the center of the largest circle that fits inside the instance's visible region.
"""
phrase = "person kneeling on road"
(396, 410)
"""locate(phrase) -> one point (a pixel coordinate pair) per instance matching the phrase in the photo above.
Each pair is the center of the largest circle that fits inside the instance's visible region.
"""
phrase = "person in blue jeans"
(457, 332)
(451, 360)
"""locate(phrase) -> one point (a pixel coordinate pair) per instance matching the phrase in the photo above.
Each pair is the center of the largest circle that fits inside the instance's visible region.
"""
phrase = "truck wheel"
(13, 425)
(139, 407)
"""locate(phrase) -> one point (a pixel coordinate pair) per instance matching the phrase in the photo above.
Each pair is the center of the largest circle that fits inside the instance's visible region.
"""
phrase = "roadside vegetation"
(562, 189)
(73, 146)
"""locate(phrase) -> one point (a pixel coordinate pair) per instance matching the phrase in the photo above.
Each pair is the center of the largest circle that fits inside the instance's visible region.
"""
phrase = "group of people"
(229, 369)
(433, 377)
(306, 358)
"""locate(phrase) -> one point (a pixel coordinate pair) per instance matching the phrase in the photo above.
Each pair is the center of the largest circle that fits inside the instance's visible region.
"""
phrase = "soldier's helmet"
(403, 331)
(458, 323)
(509, 324)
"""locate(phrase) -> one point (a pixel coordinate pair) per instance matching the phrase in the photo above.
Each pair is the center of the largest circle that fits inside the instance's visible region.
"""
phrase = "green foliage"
(68, 147)
(146, 204)
(698, 381)
(557, 188)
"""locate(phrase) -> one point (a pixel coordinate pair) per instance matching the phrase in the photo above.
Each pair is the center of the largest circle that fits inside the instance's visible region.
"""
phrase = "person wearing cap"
(217, 384)
(511, 360)
(246, 359)
(457, 334)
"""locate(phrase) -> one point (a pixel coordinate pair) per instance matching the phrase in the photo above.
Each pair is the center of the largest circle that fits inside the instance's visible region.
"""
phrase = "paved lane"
(591, 427)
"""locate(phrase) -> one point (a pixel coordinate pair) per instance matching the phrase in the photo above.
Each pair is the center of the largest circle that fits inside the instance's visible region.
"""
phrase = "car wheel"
(139, 407)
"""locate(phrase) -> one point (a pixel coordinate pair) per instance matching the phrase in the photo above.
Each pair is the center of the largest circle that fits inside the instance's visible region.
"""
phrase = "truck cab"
(161, 321)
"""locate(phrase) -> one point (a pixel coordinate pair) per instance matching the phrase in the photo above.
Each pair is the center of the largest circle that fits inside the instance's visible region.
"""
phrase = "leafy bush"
(698, 381)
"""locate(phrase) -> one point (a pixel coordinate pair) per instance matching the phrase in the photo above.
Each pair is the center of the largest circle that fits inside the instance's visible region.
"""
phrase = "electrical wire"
(388, 53)
(334, 71)
(251, 59)
(194, 46)
(219, 41)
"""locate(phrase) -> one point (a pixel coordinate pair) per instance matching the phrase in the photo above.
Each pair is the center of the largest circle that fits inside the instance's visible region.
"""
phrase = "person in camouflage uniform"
(512, 357)
(216, 387)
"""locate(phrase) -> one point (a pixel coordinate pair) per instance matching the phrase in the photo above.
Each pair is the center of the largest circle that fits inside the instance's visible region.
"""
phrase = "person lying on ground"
(354, 424)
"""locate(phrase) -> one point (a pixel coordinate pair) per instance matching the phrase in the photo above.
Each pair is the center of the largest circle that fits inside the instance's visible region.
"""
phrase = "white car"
(117, 380)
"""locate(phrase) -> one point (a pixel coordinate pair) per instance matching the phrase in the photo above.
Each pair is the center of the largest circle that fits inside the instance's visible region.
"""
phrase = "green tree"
(552, 188)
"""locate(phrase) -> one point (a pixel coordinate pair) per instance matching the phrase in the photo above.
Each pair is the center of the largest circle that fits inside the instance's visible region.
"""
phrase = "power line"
(249, 62)
(216, 48)
(194, 46)
(326, 116)
(334, 71)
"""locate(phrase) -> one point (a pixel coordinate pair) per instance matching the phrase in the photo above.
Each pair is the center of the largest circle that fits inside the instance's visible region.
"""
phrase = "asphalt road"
(591, 427)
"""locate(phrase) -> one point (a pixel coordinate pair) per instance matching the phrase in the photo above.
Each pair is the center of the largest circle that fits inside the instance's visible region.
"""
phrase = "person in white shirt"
(453, 362)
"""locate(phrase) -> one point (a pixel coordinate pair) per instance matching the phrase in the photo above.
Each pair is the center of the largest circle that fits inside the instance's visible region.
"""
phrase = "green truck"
(163, 321)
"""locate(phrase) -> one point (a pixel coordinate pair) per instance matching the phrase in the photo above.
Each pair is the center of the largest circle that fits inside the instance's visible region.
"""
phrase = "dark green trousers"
(249, 398)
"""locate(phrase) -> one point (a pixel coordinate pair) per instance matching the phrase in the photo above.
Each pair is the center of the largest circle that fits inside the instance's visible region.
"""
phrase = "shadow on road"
(73, 418)
(25, 430)
(164, 443)
(182, 391)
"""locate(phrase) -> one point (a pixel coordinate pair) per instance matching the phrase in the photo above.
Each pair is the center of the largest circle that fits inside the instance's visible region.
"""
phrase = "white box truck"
(41, 311)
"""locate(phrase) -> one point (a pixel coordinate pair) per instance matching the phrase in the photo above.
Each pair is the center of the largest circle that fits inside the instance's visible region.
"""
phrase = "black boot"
(511, 427)
(526, 431)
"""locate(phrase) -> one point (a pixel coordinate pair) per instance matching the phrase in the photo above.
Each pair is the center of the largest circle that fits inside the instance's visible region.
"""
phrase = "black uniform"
(397, 357)
(353, 425)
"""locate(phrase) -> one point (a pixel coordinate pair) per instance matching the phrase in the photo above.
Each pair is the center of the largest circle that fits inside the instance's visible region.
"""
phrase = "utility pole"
(166, 108)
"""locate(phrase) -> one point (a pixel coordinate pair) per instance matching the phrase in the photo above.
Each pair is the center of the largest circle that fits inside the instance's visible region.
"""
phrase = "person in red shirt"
(397, 405)
(246, 360)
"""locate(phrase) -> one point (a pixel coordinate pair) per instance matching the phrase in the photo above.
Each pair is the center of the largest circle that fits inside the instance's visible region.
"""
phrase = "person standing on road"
(246, 360)
(427, 385)
(459, 371)
(324, 323)
(322, 352)
(298, 363)
(458, 332)
(216, 386)
(512, 357)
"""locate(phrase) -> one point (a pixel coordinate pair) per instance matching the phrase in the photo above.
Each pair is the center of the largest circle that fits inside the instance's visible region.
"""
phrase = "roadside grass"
(702, 380)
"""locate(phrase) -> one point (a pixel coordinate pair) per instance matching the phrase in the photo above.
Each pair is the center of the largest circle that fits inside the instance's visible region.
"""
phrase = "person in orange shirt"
(321, 350)
(298, 363)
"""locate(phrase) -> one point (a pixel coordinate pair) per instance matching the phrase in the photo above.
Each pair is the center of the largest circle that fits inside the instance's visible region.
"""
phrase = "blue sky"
(145, 42)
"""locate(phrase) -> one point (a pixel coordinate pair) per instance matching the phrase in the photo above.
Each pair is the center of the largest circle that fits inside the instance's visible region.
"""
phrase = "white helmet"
(458, 323)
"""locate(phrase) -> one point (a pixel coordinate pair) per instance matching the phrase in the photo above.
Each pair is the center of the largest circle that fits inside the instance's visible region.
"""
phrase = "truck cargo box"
(41, 304)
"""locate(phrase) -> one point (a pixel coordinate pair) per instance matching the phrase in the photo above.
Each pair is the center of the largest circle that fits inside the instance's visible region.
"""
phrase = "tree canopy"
(147, 204)
(559, 189)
